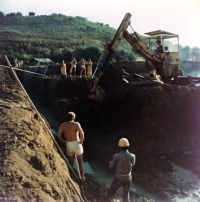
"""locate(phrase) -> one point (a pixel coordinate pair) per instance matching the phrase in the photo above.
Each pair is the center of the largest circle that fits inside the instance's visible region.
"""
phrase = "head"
(82, 58)
(123, 144)
(89, 60)
(71, 116)
(158, 41)
(166, 48)
(63, 61)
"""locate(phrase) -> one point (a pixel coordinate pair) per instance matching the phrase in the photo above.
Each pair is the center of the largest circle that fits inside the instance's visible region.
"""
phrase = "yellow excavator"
(164, 66)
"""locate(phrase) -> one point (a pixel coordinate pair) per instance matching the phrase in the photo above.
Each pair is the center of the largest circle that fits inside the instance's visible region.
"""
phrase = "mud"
(161, 122)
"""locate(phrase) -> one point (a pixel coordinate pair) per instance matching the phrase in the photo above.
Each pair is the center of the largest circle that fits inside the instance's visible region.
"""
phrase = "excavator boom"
(111, 47)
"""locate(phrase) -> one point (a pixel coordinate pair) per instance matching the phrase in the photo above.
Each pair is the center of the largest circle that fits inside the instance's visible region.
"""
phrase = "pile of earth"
(31, 166)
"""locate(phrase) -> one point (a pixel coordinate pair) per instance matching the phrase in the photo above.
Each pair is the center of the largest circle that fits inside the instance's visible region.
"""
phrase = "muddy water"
(105, 176)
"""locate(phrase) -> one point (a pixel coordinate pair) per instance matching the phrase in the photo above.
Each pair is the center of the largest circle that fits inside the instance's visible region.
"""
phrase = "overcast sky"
(181, 17)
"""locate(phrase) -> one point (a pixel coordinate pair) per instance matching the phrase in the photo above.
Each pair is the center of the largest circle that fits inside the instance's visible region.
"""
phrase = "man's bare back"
(71, 131)
(74, 137)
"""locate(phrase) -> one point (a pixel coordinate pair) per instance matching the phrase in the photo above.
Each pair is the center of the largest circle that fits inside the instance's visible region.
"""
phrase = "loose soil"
(162, 124)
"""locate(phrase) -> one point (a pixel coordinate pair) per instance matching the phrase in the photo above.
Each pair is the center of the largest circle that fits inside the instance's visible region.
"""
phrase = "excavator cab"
(170, 54)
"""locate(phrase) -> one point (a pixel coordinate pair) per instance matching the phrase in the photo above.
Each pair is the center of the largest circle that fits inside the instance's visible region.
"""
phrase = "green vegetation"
(57, 37)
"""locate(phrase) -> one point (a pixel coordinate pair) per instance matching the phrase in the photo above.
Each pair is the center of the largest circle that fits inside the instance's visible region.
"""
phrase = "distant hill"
(56, 37)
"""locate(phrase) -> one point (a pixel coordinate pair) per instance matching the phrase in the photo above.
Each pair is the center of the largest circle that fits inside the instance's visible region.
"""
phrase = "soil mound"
(30, 167)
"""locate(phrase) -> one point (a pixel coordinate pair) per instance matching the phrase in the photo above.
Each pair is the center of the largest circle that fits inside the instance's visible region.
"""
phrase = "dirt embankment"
(30, 167)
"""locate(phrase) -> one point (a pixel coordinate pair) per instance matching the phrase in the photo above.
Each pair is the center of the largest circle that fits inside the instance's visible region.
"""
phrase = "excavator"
(164, 66)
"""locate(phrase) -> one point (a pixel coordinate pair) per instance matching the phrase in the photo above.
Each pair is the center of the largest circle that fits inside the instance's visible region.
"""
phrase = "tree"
(195, 54)
(91, 52)
(10, 15)
(185, 53)
(2, 14)
(18, 14)
(31, 14)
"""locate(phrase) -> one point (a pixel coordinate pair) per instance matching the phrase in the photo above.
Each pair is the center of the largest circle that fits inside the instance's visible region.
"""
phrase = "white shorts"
(83, 66)
(74, 147)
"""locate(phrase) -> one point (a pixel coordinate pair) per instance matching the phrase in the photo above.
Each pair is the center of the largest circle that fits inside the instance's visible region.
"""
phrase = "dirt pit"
(161, 123)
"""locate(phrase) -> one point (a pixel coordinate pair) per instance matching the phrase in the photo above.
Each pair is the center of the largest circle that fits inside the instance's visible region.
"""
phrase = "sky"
(180, 17)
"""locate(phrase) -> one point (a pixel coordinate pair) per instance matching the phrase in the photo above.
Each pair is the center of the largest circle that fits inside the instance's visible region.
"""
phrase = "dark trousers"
(116, 184)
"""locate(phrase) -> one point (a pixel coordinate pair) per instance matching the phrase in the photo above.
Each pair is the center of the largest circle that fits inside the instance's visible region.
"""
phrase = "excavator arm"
(152, 62)
(109, 49)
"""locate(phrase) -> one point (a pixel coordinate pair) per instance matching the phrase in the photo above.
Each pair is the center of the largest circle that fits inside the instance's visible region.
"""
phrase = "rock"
(164, 195)
(184, 193)
(46, 187)
(27, 184)
(173, 191)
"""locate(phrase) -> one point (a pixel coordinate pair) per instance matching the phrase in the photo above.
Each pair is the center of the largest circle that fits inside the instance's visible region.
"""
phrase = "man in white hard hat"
(124, 162)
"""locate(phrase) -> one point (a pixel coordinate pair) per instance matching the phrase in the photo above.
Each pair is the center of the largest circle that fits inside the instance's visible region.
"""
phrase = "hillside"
(56, 36)
(59, 37)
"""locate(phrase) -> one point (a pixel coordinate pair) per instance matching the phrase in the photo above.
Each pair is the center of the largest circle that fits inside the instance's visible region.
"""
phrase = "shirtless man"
(83, 68)
(73, 66)
(74, 144)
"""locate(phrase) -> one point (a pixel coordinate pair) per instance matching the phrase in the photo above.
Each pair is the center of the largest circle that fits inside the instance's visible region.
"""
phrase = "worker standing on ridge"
(83, 67)
(89, 68)
(73, 66)
(63, 68)
(74, 137)
(124, 162)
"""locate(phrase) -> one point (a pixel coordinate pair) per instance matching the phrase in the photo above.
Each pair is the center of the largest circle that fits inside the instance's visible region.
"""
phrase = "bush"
(31, 14)
(91, 52)
(18, 14)
(2, 14)
(10, 15)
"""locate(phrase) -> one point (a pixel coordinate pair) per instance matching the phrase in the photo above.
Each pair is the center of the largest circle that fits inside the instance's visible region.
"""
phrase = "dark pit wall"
(53, 91)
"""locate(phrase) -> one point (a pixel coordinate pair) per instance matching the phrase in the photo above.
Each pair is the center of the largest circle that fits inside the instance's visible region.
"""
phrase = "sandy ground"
(31, 168)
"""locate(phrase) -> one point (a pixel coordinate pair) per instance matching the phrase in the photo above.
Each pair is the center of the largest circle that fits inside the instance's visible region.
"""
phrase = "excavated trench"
(161, 122)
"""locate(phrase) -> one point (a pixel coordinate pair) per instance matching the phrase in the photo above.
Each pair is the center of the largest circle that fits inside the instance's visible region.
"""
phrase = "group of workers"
(83, 71)
(122, 161)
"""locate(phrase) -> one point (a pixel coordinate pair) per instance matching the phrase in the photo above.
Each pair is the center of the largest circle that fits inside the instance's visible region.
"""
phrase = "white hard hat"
(123, 142)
